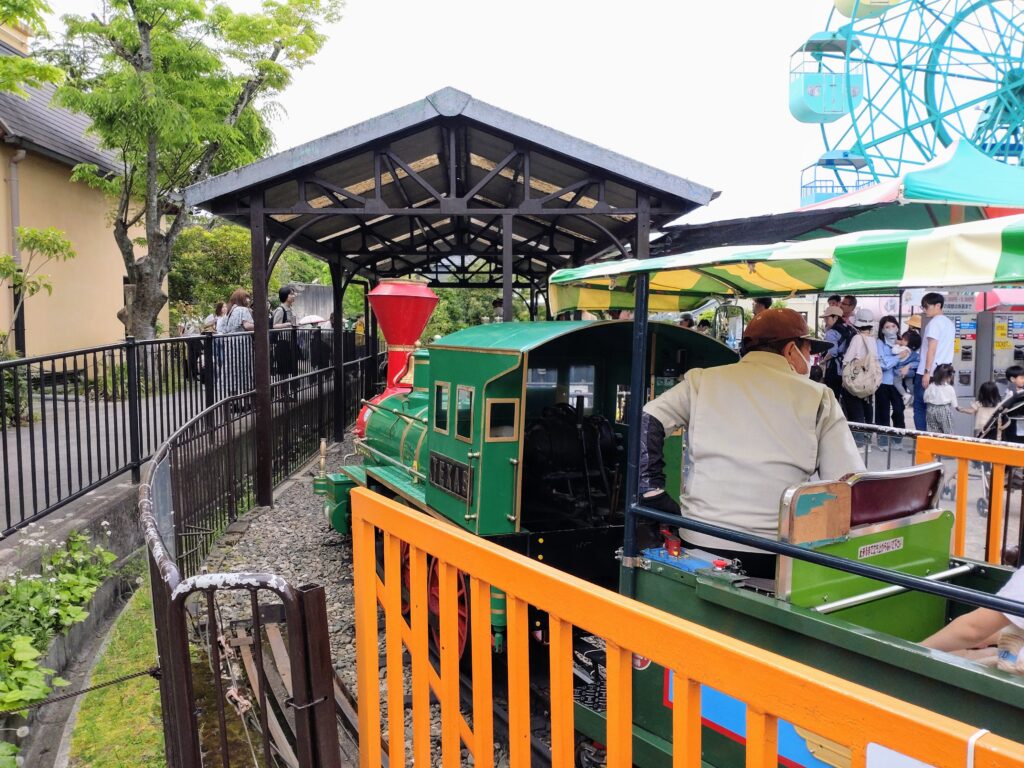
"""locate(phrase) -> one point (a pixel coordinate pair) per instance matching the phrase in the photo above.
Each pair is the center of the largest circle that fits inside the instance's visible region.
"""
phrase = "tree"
(209, 263)
(18, 71)
(459, 308)
(179, 89)
(38, 247)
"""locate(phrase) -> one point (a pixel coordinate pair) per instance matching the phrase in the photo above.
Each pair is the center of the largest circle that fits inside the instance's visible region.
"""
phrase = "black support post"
(637, 390)
(261, 357)
(338, 285)
(507, 275)
(209, 371)
(134, 420)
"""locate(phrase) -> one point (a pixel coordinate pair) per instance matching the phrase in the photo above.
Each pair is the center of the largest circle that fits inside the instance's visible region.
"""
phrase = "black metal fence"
(197, 482)
(72, 421)
(277, 632)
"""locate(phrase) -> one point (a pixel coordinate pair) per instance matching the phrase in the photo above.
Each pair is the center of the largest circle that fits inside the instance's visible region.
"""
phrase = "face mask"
(890, 334)
(807, 364)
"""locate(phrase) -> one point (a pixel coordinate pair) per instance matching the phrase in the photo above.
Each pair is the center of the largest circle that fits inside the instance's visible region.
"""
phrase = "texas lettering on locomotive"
(451, 476)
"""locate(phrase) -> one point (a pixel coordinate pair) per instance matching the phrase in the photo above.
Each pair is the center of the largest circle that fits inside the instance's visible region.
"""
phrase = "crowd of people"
(236, 316)
(878, 370)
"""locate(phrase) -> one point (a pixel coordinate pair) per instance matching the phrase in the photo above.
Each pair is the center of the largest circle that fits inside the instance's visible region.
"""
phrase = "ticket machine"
(965, 342)
(1000, 343)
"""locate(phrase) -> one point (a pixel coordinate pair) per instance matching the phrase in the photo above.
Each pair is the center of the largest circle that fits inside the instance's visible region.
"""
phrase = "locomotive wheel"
(434, 608)
(405, 578)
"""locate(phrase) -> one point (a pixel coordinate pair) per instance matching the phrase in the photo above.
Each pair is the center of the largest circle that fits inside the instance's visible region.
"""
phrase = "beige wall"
(87, 290)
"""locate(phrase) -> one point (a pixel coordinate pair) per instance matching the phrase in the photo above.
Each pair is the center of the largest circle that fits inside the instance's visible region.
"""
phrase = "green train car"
(516, 432)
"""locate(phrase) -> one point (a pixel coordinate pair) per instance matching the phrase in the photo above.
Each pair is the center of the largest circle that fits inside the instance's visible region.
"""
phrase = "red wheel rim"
(406, 577)
(434, 606)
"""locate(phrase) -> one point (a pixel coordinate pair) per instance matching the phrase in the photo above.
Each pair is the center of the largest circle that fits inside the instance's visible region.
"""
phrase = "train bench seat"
(887, 519)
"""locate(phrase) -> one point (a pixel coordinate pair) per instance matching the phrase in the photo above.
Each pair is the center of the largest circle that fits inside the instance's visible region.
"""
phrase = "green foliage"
(19, 71)
(180, 89)
(36, 607)
(459, 308)
(211, 262)
(39, 247)
(15, 387)
(208, 264)
(121, 725)
(8, 755)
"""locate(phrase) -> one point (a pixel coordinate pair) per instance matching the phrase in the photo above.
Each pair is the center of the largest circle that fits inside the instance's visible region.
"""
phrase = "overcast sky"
(698, 89)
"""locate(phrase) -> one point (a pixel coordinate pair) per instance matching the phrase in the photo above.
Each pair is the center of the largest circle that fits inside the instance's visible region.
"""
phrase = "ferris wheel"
(893, 82)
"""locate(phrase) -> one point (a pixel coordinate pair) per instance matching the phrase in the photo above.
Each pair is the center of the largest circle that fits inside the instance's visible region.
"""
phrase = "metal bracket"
(635, 562)
(290, 702)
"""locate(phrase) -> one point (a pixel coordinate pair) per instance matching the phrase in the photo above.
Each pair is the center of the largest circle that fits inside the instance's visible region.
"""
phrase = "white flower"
(32, 608)
(49, 567)
(53, 580)
(22, 732)
(104, 523)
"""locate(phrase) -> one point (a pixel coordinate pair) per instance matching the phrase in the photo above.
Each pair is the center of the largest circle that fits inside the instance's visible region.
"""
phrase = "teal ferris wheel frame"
(934, 71)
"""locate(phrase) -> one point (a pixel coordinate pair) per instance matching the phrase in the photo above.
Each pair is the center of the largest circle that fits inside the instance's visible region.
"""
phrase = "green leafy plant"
(36, 607)
(38, 248)
(15, 388)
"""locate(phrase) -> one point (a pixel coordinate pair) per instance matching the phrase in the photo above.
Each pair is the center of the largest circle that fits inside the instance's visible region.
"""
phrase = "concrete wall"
(87, 290)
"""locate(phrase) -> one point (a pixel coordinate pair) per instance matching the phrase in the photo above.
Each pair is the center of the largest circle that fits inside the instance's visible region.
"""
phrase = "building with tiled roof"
(40, 144)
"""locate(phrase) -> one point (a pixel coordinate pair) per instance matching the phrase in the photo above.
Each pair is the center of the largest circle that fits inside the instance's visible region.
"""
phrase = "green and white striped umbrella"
(978, 253)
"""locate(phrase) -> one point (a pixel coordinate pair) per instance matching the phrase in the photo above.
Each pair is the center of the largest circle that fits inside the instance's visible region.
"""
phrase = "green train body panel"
(918, 549)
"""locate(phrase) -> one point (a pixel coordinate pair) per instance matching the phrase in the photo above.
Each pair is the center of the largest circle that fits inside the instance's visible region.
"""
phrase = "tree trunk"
(144, 298)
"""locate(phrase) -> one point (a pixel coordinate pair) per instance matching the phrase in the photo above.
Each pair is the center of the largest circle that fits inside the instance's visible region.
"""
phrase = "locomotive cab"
(527, 421)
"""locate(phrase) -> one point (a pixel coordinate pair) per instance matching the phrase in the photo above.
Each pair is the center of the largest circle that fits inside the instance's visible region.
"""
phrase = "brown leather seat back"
(877, 497)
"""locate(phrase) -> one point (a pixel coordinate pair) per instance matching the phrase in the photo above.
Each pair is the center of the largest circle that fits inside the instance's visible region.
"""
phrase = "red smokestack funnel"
(402, 308)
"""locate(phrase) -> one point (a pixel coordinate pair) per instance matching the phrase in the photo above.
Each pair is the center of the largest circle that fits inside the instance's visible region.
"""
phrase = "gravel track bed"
(293, 540)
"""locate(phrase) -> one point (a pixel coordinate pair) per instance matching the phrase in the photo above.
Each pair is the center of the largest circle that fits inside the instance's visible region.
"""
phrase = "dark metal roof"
(423, 189)
(756, 230)
(34, 123)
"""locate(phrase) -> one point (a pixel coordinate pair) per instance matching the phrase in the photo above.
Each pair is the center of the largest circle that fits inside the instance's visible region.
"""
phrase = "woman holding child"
(892, 355)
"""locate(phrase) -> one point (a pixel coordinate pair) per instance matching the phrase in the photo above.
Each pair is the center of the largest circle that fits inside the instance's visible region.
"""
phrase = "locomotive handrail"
(961, 594)
(395, 411)
(362, 446)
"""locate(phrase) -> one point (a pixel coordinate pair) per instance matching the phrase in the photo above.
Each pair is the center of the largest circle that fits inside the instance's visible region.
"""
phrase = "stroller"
(1007, 425)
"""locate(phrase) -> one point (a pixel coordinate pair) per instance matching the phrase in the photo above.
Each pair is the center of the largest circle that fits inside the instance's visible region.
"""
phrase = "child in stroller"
(1006, 424)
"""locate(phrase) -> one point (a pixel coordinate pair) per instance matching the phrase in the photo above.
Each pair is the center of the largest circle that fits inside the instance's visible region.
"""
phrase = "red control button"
(720, 564)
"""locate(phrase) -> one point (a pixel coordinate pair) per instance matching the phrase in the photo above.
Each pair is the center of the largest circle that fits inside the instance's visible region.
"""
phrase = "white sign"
(883, 757)
(880, 548)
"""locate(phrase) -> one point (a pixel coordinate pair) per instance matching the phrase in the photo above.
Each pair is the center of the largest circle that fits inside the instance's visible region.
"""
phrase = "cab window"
(441, 408)
(464, 413)
(502, 417)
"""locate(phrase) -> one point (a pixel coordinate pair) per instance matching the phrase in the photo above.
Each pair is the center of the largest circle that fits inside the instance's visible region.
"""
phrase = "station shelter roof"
(424, 189)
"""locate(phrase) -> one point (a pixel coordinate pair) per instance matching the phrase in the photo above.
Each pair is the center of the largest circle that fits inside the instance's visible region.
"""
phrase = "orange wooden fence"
(772, 686)
(1000, 456)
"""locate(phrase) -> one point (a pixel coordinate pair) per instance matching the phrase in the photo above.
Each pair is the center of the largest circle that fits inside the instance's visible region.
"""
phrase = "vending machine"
(1000, 344)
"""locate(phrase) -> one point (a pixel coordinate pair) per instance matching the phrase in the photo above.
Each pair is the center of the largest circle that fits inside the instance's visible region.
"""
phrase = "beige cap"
(914, 321)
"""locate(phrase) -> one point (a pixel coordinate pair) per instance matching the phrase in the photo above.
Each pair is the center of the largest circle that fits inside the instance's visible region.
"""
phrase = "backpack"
(846, 333)
(861, 377)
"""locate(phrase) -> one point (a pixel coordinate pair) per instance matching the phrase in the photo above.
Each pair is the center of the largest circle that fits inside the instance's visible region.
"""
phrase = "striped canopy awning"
(979, 253)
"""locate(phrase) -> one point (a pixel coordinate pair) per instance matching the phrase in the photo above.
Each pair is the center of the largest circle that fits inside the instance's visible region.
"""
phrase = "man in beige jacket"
(754, 428)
